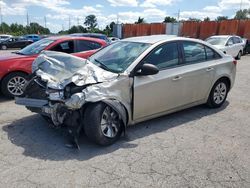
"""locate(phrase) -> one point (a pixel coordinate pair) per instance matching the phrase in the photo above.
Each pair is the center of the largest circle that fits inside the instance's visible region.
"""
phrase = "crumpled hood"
(59, 69)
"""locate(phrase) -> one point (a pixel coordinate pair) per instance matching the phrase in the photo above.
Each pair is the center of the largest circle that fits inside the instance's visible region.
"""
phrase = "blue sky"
(58, 12)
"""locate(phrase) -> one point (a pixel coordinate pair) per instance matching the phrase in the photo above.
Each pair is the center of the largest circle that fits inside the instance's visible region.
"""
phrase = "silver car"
(229, 44)
(130, 81)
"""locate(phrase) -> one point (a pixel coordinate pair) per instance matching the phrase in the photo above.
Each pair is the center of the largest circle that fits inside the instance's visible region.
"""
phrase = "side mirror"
(147, 69)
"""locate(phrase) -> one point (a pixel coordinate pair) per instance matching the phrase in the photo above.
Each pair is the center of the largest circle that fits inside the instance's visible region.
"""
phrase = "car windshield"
(36, 47)
(217, 41)
(118, 56)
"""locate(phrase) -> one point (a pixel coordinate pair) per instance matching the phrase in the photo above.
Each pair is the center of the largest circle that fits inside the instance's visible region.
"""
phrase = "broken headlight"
(72, 89)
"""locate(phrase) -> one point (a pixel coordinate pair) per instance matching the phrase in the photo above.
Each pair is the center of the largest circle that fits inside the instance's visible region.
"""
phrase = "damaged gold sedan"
(127, 82)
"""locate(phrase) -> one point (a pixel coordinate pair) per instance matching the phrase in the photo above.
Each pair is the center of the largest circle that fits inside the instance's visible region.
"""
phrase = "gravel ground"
(198, 147)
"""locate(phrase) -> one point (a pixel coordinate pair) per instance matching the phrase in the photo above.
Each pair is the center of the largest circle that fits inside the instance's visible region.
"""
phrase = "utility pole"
(27, 17)
(45, 22)
(69, 22)
(241, 5)
(178, 15)
(117, 19)
(62, 27)
(78, 21)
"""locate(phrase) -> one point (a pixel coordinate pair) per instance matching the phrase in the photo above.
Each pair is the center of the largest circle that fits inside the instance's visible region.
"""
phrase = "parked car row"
(14, 42)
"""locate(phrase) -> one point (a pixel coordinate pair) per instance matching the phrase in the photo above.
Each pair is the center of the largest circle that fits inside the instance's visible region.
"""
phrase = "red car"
(15, 67)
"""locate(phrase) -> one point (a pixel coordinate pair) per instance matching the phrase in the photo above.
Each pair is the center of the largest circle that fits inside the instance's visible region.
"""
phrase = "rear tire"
(102, 124)
(238, 57)
(4, 47)
(218, 94)
(12, 85)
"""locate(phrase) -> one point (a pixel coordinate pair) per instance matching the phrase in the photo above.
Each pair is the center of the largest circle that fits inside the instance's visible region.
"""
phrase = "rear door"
(232, 49)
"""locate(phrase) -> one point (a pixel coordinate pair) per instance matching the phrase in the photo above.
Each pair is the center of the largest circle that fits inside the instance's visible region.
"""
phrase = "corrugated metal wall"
(208, 29)
(131, 30)
(192, 29)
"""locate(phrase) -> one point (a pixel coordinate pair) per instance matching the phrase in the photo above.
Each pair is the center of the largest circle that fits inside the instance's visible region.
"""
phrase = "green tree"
(207, 19)
(242, 14)
(90, 21)
(5, 28)
(220, 18)
(140, 20)
(169, 19)
(109, 29)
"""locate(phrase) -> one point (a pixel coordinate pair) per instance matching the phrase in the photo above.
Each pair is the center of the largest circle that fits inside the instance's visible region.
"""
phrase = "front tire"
(218, 94)
(102, 124)
(12, 85)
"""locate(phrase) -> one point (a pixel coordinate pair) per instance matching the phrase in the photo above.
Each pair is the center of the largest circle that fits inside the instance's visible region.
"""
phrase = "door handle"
(209, 69)
(177, 78)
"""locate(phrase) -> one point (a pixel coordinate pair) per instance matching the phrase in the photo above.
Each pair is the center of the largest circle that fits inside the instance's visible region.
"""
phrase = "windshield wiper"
(102, 65)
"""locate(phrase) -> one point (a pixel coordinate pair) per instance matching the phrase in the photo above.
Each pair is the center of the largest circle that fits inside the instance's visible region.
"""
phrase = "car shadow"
(41, 141)
(3, 98)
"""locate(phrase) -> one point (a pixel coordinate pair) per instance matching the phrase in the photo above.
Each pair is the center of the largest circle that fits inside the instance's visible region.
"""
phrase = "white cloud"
(234, 4)
(118, 3)
(150, 15)
(99, 6)
(212, 9)
(198, 14)
(154, 3)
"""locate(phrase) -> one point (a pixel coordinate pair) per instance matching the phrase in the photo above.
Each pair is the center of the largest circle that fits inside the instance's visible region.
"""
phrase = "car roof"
(152, 39)
(68, 37)
(89, 34)
(223, 36)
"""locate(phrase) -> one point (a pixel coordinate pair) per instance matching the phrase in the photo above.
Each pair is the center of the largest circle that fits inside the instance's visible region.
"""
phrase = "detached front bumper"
(28, 102)
(57, 112)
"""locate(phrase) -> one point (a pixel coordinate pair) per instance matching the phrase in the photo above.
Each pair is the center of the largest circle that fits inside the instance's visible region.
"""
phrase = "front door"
(177, 83)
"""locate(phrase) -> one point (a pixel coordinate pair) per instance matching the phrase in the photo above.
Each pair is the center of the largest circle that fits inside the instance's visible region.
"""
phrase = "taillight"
(235, 62)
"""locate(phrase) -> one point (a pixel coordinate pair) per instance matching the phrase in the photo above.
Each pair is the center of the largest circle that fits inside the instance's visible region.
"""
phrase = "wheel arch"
(11, 72)
(118, 106)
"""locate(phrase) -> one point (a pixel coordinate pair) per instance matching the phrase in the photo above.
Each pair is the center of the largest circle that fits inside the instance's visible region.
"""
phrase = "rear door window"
(211, 54)
(193, 52)
(237, 40)
(84, 45)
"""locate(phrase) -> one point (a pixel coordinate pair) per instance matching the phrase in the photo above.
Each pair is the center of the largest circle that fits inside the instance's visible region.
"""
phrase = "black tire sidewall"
(92, 125)
(211, 101)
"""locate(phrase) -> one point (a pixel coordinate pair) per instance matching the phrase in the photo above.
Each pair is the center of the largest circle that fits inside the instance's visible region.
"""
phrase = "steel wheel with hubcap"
(218, 94)
(102, 124)
(13, 84)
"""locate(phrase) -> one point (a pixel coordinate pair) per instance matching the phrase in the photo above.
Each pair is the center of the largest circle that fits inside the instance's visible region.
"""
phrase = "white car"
(232, 45)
